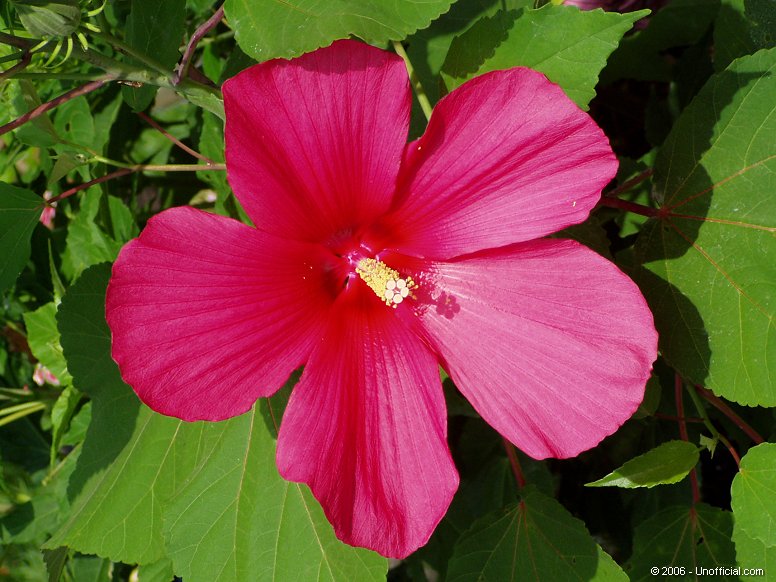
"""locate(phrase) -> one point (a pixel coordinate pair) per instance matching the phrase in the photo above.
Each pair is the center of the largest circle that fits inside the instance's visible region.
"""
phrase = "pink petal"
(208, 314)
(507, 157)
(313, 145)
(550, 342)
(366, 430)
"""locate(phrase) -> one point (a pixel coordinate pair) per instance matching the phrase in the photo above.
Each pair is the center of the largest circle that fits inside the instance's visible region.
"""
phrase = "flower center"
(387, 284)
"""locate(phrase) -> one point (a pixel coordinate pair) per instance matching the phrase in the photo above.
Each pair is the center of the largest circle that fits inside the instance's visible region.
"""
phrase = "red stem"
(678, 395)
(515, 462)
(730, 449)
(727, 411)
(629, 206)
(174, 139)
(199, 34)
(662, 416)
(627, 185)
(49, 105)
(90, 183)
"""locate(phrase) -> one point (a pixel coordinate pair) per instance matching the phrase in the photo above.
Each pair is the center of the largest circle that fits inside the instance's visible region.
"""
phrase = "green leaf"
(55, 562)
(154, 29)
(427, 48)
(259, 527)
(732, 37)
(133, 460)
(762, 14)
(53, 18)
(61, 413)
(752, 553)
(679, 23)
(683, 537)
(74, 122)
(43, 338)
(266, 29)
(91, 569)
(668, 463)
(87, 243)
(710, 258)
(568, 45)
(753, 494)
(160, 571)
(20, 211)
(535, 539)
(39, 132)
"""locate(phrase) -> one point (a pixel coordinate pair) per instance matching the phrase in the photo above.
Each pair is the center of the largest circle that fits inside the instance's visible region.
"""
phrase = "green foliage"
(536, 539)
(568, 45)
(710, 258)
(267, 29)
(668, 463)
(19, 213)
(754, 495)
(154, 29)
(683, 537)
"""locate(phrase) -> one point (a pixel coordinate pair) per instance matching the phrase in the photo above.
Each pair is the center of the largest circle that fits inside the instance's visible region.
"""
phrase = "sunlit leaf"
(568, 45)
(667, 463)
(267, 29)
(711, 255)
(753, 494)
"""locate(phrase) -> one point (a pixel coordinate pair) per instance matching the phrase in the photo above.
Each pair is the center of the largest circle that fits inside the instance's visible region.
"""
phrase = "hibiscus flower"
(372, 262)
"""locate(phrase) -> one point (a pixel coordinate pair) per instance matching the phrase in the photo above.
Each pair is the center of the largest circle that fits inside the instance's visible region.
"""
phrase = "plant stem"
(628, 184)
(49, 105)
(712, 429)
(628, 206)
(199, 34)
(678, 393)
(174, 139)
(18, 67)
(517, 471)
(138, 168)
(425, 104)
(727, 411)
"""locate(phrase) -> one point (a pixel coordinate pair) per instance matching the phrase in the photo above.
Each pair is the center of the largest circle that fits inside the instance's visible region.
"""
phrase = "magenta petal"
(366, 430)
(550, 342)
(208, 314)
(313, 145)
(506, 157)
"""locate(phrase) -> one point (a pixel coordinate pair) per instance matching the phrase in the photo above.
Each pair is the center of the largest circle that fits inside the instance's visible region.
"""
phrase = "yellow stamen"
(387, 283)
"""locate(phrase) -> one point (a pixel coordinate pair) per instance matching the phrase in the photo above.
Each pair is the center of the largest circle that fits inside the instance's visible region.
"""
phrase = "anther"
(386, 283)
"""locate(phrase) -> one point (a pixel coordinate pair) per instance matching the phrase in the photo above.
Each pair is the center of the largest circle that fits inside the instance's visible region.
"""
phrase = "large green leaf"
(753, 494)
(668, 463)
(535, 539)
(133, 460)
(568, 45)
(683, 537)
(19, 213)
(710, 257)
(266, 29)
(258, 526)
(154, 28)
